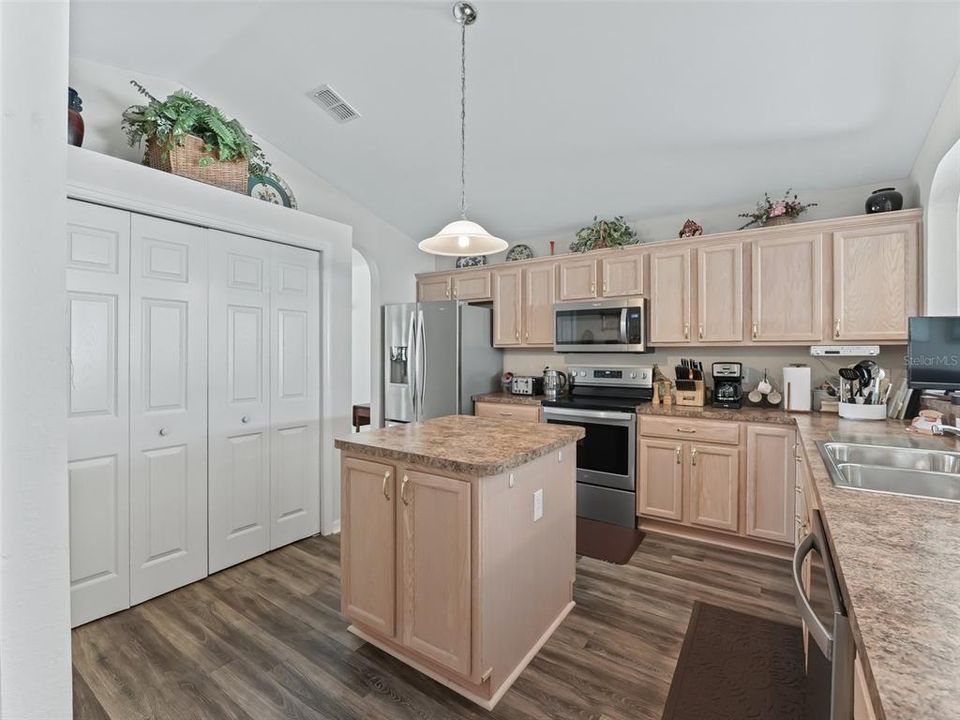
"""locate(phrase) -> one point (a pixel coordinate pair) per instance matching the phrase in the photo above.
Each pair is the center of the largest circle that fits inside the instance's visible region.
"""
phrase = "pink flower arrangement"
(766, 209)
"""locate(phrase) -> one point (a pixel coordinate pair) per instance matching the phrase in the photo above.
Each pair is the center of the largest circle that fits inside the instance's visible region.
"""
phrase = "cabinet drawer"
(530, 413)
(684, 429)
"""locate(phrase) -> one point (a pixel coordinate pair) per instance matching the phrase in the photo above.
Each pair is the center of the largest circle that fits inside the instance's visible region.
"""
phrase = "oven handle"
(588, 415)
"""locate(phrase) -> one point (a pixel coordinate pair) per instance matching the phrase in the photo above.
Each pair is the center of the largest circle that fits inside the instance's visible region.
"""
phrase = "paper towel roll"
(796, 388)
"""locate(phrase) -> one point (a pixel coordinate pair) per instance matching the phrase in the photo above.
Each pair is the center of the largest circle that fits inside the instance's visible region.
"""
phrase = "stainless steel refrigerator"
(436, 355)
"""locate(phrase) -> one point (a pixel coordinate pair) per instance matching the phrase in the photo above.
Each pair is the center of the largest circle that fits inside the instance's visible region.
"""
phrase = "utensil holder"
(854, 411)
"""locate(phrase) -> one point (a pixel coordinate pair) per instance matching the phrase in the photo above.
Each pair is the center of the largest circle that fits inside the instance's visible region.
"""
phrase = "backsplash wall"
(754, 359)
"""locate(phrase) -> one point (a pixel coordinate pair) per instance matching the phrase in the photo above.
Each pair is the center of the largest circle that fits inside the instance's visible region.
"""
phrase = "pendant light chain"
(463, 120)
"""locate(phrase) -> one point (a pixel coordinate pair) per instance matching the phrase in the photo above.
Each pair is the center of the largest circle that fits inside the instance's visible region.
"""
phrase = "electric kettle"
(554, 382)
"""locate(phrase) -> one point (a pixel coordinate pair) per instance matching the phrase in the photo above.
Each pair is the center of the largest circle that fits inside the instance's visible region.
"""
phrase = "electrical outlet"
(538, 505)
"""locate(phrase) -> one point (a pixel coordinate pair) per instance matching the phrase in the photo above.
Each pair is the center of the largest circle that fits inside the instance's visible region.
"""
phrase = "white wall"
(35, 674)
(838, 202)
(393, 257)
(363, 359)
(942, 257)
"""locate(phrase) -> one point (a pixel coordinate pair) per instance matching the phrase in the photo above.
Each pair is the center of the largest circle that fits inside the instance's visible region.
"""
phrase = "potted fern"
(189, 137)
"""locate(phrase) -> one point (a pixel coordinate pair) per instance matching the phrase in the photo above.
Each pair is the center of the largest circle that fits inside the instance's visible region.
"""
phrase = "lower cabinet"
(771, 482)
(661, 479)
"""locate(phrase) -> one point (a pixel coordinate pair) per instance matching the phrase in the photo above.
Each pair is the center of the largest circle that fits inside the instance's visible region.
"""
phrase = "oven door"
(600, 326)
(606, 456)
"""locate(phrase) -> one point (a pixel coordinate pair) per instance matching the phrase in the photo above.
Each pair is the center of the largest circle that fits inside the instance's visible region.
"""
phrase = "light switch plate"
(538, 505)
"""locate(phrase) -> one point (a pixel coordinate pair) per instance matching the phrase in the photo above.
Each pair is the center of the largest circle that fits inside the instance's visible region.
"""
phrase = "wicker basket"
(184, 160)
(778, 220)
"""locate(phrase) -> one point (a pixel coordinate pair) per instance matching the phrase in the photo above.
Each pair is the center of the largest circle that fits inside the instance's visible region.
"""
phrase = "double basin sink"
(862, 464)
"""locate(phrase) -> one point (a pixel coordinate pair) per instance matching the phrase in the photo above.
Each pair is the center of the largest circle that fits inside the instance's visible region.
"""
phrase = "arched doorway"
(361, 351)
(943, 237)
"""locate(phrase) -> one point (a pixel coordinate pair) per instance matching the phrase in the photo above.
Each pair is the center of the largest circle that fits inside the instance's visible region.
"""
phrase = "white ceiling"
(574, 108)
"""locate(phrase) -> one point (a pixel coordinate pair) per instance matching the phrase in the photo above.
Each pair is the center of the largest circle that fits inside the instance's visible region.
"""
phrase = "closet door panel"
(239, 438)
(168, 406)
(294, 394)
(98, 461)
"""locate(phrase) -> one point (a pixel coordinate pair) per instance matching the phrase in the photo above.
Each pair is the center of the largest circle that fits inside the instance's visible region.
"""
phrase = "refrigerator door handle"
(411, 362)
(421, 359)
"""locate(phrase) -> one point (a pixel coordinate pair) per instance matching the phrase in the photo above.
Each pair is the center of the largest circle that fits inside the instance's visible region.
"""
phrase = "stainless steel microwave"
(600, 326)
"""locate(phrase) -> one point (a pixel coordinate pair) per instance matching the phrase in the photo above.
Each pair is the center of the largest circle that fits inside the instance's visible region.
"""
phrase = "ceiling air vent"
(330, 100)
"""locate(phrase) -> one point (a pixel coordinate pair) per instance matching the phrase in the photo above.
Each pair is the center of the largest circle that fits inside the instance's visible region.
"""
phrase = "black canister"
(884, 200)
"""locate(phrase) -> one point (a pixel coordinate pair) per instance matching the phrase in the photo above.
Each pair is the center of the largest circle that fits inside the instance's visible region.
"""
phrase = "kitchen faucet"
(939, 428)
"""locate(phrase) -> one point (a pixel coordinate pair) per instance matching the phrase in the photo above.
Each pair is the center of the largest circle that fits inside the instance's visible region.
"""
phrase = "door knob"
(163, 432)
(245, 419)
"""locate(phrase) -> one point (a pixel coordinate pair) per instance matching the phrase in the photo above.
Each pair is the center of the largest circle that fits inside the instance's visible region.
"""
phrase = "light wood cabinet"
(787, 288)
(622, 274)
(434, 288)
(670, 300)
(472, 285)
(714, 486)
(875, 281)
(508, 411)
(507, 307)
(578, 278)
(368, 535)
(539, 294)
(660, 479)
(435, 572)
(771, 482)
(720, 293)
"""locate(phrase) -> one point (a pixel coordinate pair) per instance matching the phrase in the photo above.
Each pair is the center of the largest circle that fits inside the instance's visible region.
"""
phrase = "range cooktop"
(606, 388)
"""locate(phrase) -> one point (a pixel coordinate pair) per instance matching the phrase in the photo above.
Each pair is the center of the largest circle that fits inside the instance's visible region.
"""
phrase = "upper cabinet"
(670, 291)
(622, 274)
(472, 286)
(720, 293)
(434, 288)
(578, 278)
(507, 307)
(787, 292)
(875, 281)
(539, 294)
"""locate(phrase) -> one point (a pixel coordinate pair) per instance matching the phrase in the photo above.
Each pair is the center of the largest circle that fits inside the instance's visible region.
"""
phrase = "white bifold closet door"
(98, 465)
(168, 406)
(264, 429)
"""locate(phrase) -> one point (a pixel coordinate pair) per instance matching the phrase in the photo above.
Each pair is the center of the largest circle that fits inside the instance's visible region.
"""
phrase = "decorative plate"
(519, 252)
(471, 261)
(271, 188)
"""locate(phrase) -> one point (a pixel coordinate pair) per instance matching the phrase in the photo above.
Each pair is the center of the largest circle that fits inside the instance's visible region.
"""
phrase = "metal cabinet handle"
(677, 452)
(755, 330)
(518, 334)
(686, 430)
(593, 288)
(163, 432)
(245, 419)
(693, 456)
(700, 334)
(403, 490)
(836, 328)
(686, 331)
(386, 479)
(455, 292)
(604, 286)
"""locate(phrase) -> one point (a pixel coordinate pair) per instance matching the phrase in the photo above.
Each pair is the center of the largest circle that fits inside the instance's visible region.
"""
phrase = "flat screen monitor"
(933, 353)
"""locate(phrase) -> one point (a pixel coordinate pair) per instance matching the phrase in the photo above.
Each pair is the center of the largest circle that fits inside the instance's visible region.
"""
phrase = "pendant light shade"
(463, 237)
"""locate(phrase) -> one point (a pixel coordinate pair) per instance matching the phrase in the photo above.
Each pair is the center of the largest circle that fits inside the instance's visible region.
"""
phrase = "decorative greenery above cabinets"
(604, 234)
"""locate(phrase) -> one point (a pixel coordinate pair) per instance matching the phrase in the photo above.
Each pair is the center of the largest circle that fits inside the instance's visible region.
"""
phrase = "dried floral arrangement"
(604, 234)
(768, 210)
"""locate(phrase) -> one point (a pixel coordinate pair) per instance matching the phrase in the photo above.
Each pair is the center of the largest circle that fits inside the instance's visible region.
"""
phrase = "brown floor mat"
(603, 541)
(737, 667)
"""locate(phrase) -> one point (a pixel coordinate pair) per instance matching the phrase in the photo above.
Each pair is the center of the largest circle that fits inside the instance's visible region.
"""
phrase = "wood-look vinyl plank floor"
(265, 641)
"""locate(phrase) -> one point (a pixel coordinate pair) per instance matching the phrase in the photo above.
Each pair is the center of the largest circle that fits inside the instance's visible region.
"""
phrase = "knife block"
(691, 393)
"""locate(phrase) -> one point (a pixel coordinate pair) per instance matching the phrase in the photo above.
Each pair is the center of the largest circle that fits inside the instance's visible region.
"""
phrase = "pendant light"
(463, 237)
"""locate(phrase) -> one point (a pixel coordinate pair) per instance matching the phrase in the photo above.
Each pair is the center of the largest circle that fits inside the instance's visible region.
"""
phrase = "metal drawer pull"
(386, 479)
(245, 419)
(163, 432)
(403, 490)
(686, 430)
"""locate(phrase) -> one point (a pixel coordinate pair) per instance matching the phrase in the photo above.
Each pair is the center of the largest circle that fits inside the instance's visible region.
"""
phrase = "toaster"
(526, 385)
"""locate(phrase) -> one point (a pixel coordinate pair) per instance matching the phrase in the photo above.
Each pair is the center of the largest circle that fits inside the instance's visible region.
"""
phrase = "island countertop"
(463, 444)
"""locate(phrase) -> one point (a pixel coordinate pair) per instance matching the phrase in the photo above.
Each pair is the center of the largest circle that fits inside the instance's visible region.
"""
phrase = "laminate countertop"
(898, 559)
(463, 444)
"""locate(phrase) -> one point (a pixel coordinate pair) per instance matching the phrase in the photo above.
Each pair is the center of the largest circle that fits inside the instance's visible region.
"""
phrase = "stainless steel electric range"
(603, 401)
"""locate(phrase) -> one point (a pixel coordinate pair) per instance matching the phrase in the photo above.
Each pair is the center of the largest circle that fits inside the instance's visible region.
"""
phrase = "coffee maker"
(727, 384)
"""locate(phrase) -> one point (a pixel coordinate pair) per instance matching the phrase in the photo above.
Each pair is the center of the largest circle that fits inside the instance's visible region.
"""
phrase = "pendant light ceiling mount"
(463, 237)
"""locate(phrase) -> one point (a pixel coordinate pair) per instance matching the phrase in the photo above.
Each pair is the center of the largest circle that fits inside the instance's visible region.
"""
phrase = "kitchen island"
(458, 545)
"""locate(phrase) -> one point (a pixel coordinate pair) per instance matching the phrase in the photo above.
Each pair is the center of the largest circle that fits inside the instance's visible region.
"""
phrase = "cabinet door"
(788, 288)
(507, 307)
(295, 394)
(720, 293)
(540, 293)
(622, 275)
(771, 482)
(661, 479)
(670, 297)
(435, 568)
(239, 404)
(472, 286)
(168, 406)
(876, 282)
(433, 288)
(368, 540)
(578, 279)
(98, 421)
(715, 486)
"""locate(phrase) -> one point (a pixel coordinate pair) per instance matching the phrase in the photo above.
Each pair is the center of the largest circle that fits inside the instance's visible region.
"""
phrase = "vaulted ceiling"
(574, 108)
